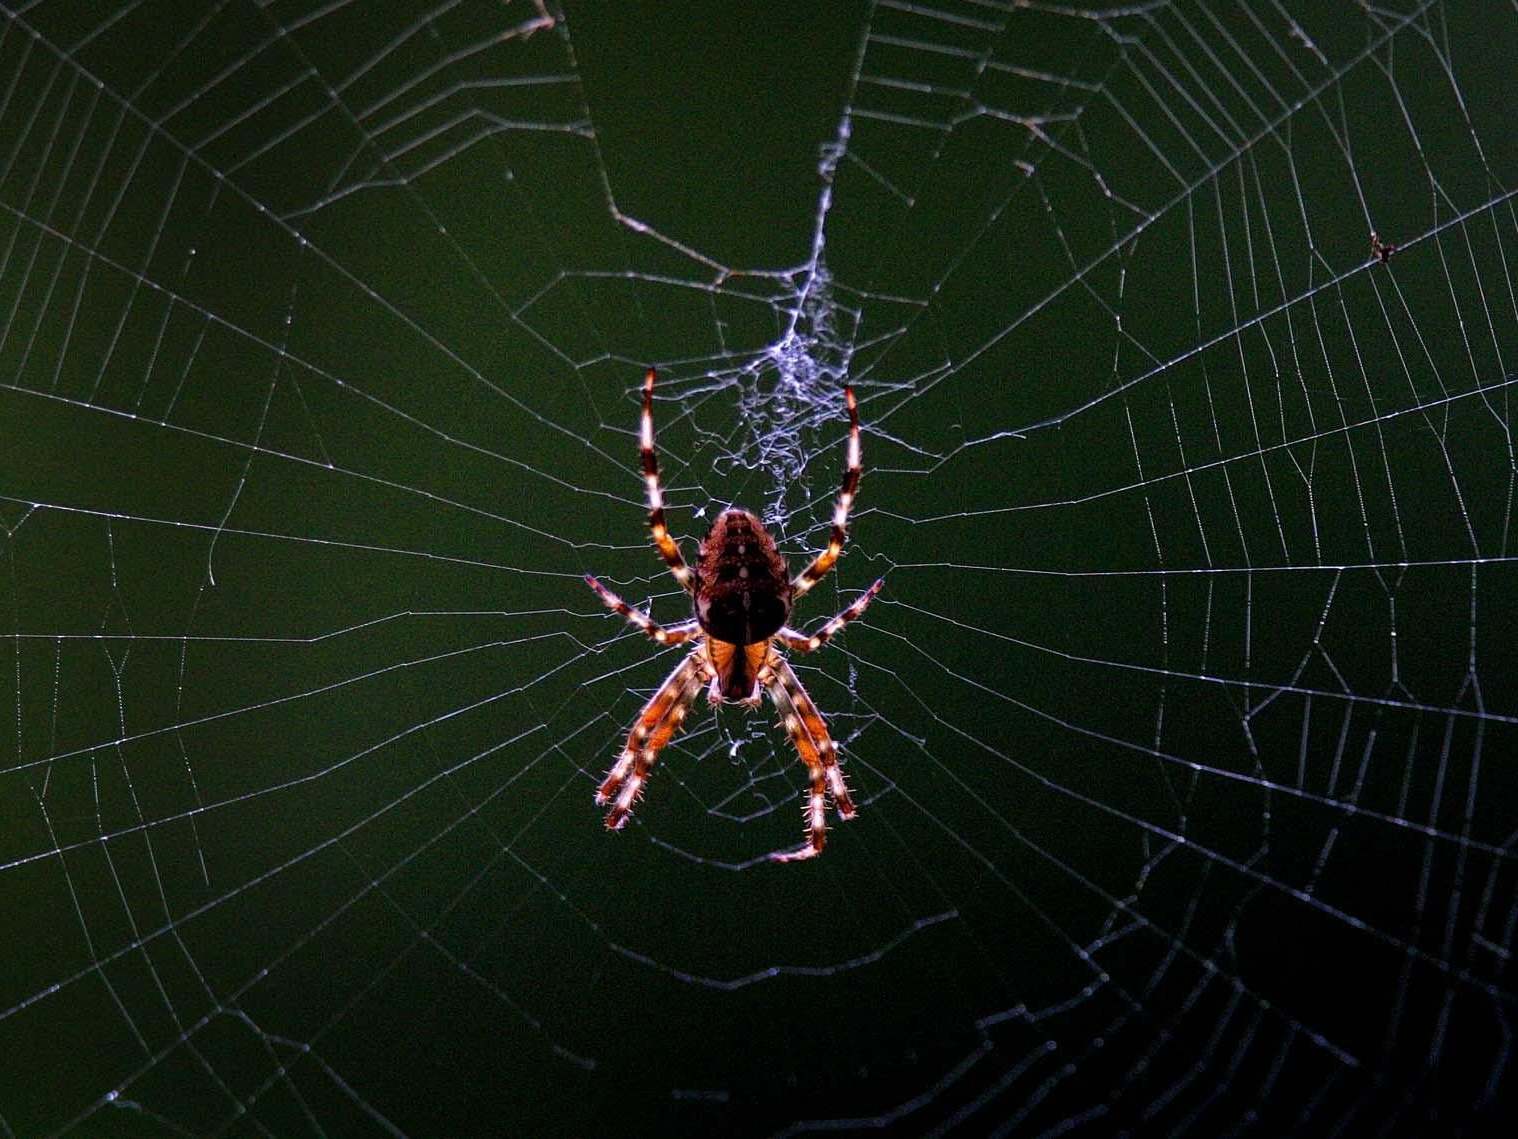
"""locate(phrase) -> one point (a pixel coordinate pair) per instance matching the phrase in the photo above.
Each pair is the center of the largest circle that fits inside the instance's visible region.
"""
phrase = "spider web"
(1183, 732)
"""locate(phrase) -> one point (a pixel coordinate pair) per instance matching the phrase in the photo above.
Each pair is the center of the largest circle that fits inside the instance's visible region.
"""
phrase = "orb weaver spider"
(743, 594)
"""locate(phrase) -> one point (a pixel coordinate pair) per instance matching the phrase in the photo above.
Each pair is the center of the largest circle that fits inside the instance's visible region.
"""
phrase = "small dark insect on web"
(1382, 251)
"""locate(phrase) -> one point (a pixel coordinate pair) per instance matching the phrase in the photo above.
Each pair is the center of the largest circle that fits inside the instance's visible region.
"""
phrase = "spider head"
(743, 589)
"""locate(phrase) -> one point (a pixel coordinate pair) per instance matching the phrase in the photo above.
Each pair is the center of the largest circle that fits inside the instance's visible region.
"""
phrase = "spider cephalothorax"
(743, 594)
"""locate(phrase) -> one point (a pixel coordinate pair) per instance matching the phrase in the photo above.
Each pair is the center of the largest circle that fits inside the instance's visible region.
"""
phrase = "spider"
(743, 595)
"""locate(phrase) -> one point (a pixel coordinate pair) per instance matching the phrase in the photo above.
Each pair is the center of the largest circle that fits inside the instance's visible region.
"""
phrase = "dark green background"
(1183, 731)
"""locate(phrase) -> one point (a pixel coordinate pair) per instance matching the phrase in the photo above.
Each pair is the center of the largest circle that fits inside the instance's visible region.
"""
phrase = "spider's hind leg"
(824, 561)
(669, 549)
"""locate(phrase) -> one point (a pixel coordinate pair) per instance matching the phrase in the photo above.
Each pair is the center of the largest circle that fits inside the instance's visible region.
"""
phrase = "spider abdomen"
(743, 591)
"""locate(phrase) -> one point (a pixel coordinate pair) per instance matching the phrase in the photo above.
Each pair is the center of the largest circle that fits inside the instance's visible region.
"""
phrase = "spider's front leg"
(809, 734)
(656, 725)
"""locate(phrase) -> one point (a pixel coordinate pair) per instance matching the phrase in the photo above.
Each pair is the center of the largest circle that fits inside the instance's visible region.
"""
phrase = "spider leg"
(664, 634)
(815, 572)
(804, 643)
(656, 525)
(656, 725)
(809, 734)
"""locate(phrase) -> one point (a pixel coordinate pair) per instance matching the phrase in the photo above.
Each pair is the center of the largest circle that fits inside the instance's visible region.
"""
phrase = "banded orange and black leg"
(815, 747)
(657, 526)
(811, 642)
(824, 561)
(656, 725)
(663, 634)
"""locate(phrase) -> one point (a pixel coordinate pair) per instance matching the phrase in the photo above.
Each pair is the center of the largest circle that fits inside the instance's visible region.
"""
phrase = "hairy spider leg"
(656, 524)
(809, 734)
(804, 643)
(815, 572)
(657, 723)
(664, 634)
(790, 684)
